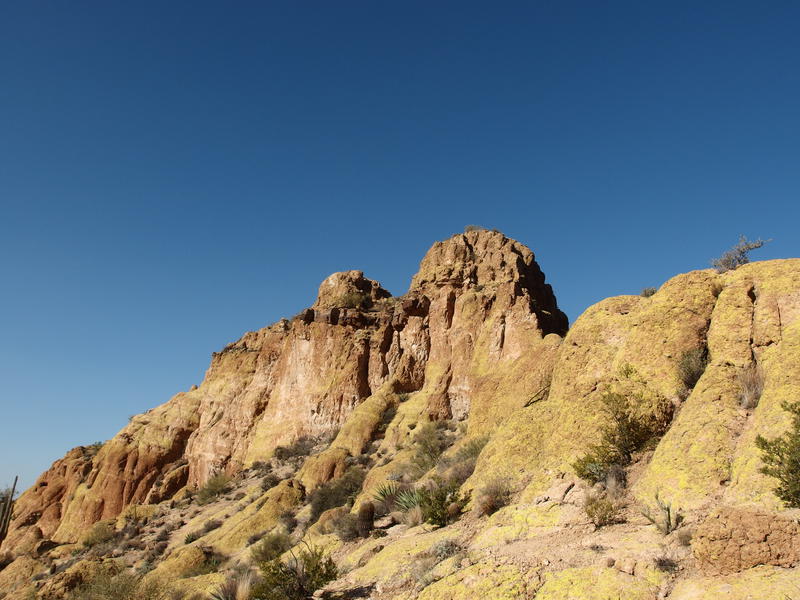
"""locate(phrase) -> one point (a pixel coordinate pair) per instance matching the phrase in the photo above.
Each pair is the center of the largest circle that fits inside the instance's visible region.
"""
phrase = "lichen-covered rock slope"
(479, 343)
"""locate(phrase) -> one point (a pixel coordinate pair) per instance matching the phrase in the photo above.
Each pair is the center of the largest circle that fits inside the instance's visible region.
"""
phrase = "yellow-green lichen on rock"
(597, 583)
(486, 581)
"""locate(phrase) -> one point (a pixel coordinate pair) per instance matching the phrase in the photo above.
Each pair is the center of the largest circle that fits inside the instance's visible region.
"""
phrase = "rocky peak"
(349, 289)
(488, 259)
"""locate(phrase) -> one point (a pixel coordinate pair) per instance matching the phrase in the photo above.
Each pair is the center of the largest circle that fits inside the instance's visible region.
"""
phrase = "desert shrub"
(737, 256)
(781, 457)
(211, 563)
(101, 532)
(270, 547)
(354, 300)
(345, 527)
(238, 587)
(428, 444)
(624, 433)
(665, 563)
(211, 525)
(441, 503)
(288, 520)
(302, 446)
(460, 465)
(751, 386)
(493, 496)
(216, 485)
(337, 492)
(366, 518)
(296, 579)
(647, 292)
(601, 510)
(664, 517)
(469, 228)
(616, 480)
(684, 537)
(691, 366)
(444, 549)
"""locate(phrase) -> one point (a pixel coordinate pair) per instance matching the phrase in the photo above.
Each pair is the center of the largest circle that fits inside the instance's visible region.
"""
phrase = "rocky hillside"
(455, 442)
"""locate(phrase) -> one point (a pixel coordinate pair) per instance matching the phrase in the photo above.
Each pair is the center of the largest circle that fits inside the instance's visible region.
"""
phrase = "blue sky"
(175, 174)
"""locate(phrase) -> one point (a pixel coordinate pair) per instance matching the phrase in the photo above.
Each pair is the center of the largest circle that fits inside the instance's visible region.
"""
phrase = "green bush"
(296, 579)
(270, 547)
(624, 433)
(441, 503)
(337, 492)
(781, 457)
(216, 485)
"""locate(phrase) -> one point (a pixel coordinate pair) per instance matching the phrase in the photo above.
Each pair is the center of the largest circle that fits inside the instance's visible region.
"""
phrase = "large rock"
(734, 539)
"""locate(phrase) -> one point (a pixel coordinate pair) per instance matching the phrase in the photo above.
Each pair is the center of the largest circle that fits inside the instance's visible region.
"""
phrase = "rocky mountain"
(480, 432)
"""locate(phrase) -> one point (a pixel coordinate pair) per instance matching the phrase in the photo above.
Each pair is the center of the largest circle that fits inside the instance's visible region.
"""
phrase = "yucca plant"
(408, 499)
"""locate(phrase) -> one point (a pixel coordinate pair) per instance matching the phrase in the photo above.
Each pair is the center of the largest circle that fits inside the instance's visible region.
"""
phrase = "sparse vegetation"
(624, 433)
(428, 445)
(781, 457)
(601, 510)
(235, 588)
(751, 386)
(214, 487)
(124, 586)
(296, 579)
(270, 547)
(738, 255)
(665, 518)
(469, 228)
(301, 447)
(648, 291)
(345, 527)
(459, 466)
(101, 532)
(337, 492)
(493, 496)
(357, 300)
(691, 366)
(441, 503)
(666, 564)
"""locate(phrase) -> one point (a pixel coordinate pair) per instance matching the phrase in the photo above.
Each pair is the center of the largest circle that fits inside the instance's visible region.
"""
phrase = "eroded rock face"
(478, 307)
(734, 539)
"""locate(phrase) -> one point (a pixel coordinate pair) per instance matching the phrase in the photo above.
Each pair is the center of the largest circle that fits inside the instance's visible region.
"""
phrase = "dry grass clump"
(493, 496)
(238, 587)
(601, 510)
(751, 386)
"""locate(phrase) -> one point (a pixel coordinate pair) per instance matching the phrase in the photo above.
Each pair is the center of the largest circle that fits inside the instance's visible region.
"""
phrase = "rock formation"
(479, 346)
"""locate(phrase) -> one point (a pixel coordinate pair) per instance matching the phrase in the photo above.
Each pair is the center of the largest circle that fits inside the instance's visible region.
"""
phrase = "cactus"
(366, 518)
(7, 510)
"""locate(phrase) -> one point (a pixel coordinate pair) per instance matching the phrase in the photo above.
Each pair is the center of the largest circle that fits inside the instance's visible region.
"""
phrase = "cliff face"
(305, 376)
(477, 343)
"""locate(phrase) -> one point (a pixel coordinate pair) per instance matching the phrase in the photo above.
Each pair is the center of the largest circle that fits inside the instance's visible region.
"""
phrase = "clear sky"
(173, 174)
